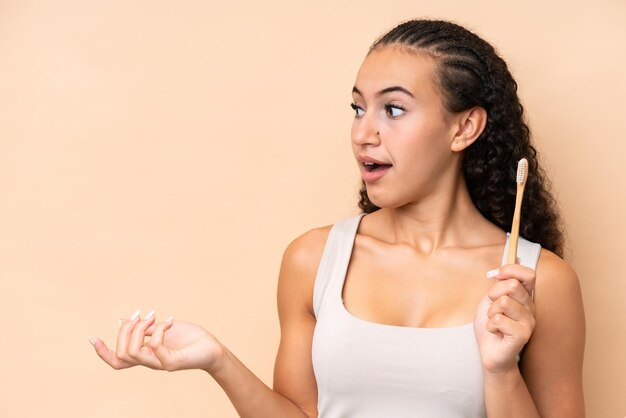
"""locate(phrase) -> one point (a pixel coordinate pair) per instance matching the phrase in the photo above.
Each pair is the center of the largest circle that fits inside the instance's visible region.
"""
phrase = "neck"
(443, 219)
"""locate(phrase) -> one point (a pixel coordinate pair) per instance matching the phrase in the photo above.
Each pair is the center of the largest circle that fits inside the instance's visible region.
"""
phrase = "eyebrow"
(385, 91)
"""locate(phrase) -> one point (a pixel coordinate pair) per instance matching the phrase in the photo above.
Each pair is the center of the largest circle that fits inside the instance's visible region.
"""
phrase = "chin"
(385, 201)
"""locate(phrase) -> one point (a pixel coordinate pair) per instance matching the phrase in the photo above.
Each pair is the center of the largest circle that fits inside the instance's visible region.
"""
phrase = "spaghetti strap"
(335, 257)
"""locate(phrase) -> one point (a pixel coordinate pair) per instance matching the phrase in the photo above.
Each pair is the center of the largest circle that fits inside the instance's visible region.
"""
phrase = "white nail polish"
(149, 315)
(135, 315)
(492, 273)
(92, 341)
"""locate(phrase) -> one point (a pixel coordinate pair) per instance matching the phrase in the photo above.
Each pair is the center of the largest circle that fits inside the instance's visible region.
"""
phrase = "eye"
(394, 110)
(359, 111)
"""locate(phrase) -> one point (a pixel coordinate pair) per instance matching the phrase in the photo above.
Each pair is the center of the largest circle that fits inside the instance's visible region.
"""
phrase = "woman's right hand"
(172, 345)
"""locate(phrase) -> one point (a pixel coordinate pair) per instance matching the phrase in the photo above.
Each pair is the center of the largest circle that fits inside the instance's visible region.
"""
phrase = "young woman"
(402, 311)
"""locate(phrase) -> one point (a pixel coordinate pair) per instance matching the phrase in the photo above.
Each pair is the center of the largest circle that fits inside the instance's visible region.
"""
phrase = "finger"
(158, 335)
(150, 329)
(512, 288)
(123, 336)
(161, 351)
(501, 324)
(136, 348)
(511, 308)
(108, 355)
(524, 274)
(137, 335)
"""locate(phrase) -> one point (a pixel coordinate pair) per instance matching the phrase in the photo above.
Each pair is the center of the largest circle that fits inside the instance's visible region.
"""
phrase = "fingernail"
(119, 323)
(135, 315)
(92, 341)
(492, 273)
(170, 319)
(149, 315)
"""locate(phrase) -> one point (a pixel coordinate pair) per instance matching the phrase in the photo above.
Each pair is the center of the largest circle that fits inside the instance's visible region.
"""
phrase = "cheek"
(420, 150)
(422, 135)
(410, 140)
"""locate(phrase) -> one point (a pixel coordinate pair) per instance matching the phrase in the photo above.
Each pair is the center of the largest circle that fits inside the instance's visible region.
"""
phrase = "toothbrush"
(522, 175)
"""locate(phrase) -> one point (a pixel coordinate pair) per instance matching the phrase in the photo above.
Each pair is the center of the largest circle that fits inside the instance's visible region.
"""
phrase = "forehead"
(392, 65)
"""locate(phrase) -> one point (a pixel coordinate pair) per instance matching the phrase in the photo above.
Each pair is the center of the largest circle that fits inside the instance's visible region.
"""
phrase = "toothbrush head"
(522, 171)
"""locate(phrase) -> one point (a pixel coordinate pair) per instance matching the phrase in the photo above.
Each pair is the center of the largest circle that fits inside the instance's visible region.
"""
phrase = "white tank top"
(370, 370)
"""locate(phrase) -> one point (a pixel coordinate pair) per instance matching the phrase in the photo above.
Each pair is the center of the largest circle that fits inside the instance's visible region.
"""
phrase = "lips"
(373, 169)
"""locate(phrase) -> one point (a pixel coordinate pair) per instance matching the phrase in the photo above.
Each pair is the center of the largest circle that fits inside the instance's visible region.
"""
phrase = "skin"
(420, 261)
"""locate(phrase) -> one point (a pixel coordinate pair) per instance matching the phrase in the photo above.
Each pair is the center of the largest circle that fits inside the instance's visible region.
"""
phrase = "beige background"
(159, 154)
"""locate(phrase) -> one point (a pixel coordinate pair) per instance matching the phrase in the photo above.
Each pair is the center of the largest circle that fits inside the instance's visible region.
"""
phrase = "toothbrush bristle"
(522, 171)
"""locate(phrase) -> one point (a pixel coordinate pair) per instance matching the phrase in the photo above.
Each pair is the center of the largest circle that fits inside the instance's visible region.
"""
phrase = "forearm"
(506, 395)
(248, 394)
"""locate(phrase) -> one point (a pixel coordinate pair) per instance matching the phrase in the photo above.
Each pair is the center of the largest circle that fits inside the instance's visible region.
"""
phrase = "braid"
(471, 74)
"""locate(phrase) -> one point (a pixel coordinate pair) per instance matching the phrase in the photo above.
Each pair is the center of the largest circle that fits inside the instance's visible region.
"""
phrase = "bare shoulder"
(558, 296)
(299, 267)
(305, 252)
(555, 275)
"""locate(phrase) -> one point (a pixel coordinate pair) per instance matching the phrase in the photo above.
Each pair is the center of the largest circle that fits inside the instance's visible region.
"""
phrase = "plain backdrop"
(160, 154)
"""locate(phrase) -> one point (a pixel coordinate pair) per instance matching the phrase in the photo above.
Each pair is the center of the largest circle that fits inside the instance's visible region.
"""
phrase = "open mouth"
(371, 167)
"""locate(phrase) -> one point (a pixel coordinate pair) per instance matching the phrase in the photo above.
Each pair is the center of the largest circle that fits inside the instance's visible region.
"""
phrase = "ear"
(470, 124)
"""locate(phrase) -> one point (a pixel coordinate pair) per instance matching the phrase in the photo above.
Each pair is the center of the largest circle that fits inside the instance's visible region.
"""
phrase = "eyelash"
(356, 108)
(387, 107)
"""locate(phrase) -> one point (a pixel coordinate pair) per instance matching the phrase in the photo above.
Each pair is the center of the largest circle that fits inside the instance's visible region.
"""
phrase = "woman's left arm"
(548, 381)
(552, 361)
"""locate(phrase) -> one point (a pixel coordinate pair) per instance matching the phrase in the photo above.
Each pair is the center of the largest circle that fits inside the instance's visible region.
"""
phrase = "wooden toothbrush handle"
(515, 226)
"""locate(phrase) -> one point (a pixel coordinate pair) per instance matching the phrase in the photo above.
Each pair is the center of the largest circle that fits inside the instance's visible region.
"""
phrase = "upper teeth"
(366, 163)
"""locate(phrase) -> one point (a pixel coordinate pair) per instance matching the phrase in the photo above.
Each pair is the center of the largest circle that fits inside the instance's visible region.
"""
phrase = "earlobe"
(471, 124)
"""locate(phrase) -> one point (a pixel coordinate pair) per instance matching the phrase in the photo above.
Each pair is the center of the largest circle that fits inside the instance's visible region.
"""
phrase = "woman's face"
(401, 127)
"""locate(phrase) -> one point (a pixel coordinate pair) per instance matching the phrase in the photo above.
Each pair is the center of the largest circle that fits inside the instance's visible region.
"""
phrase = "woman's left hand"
(505, 318)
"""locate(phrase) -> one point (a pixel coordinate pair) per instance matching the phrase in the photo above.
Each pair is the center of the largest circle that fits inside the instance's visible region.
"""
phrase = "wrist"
(220, 357)
(503, 377)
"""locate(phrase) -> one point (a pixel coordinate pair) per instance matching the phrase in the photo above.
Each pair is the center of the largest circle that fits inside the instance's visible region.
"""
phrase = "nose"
(365, 131)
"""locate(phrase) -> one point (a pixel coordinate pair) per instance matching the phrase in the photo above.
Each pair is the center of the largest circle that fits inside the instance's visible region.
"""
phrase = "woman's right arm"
(176, 345)
(295, 388)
